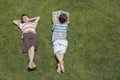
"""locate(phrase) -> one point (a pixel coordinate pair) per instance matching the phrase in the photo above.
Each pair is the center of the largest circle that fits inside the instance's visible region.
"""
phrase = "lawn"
(94, 40)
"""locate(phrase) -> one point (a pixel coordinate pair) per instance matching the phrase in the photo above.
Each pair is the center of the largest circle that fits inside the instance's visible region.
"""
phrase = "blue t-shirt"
(59, 31)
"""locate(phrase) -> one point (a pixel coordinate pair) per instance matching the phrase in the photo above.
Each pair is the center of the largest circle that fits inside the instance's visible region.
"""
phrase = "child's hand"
(68, 22)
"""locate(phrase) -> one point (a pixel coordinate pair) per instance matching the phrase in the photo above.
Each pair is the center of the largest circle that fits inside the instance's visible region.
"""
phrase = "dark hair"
(63, 18)
(22, 16)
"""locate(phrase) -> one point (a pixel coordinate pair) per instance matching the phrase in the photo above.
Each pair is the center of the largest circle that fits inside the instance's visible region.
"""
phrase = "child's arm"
(68, 22)
(53, 25)
(16, 22)
(52, 22)
(35, 19)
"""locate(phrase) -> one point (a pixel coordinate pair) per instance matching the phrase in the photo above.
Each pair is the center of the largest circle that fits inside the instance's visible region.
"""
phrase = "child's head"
(24, 18)
(63, 18)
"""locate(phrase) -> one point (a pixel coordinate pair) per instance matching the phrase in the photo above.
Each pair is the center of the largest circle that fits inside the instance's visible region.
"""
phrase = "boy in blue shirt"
(59, 40)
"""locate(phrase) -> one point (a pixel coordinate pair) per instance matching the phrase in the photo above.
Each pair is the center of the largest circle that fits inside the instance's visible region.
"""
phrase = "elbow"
(13, 21)
(38, 17)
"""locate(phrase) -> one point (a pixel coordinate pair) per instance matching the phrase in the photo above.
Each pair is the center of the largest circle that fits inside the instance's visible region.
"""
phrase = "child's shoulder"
(61, 24)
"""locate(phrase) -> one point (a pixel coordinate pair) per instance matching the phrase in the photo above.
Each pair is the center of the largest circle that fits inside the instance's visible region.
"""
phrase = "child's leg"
(60, 64)
(59, 56)
(58, 68)
(31, 57)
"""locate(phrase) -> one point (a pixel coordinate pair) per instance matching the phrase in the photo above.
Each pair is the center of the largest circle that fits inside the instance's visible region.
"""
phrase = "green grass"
(94, 40)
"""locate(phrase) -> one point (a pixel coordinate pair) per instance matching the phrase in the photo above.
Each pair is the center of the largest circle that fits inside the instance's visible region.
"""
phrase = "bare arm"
(68, 22)
(53, 22)
(16, 22)
(35, 19)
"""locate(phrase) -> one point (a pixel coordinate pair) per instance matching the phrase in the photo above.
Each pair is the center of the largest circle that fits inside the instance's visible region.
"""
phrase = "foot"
(58, 68)
(31, 69)
(31, 65)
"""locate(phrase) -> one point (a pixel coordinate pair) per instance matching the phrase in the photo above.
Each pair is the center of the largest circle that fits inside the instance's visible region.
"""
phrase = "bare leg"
(31, 53)
(58, 68)
(60, 64)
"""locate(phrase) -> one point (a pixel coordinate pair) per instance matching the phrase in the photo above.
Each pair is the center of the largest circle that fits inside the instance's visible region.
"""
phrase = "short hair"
(22, 16)
(63, 18)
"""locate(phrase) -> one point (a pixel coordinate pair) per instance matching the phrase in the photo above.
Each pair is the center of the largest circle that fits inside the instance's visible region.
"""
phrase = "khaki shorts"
(60, 46)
